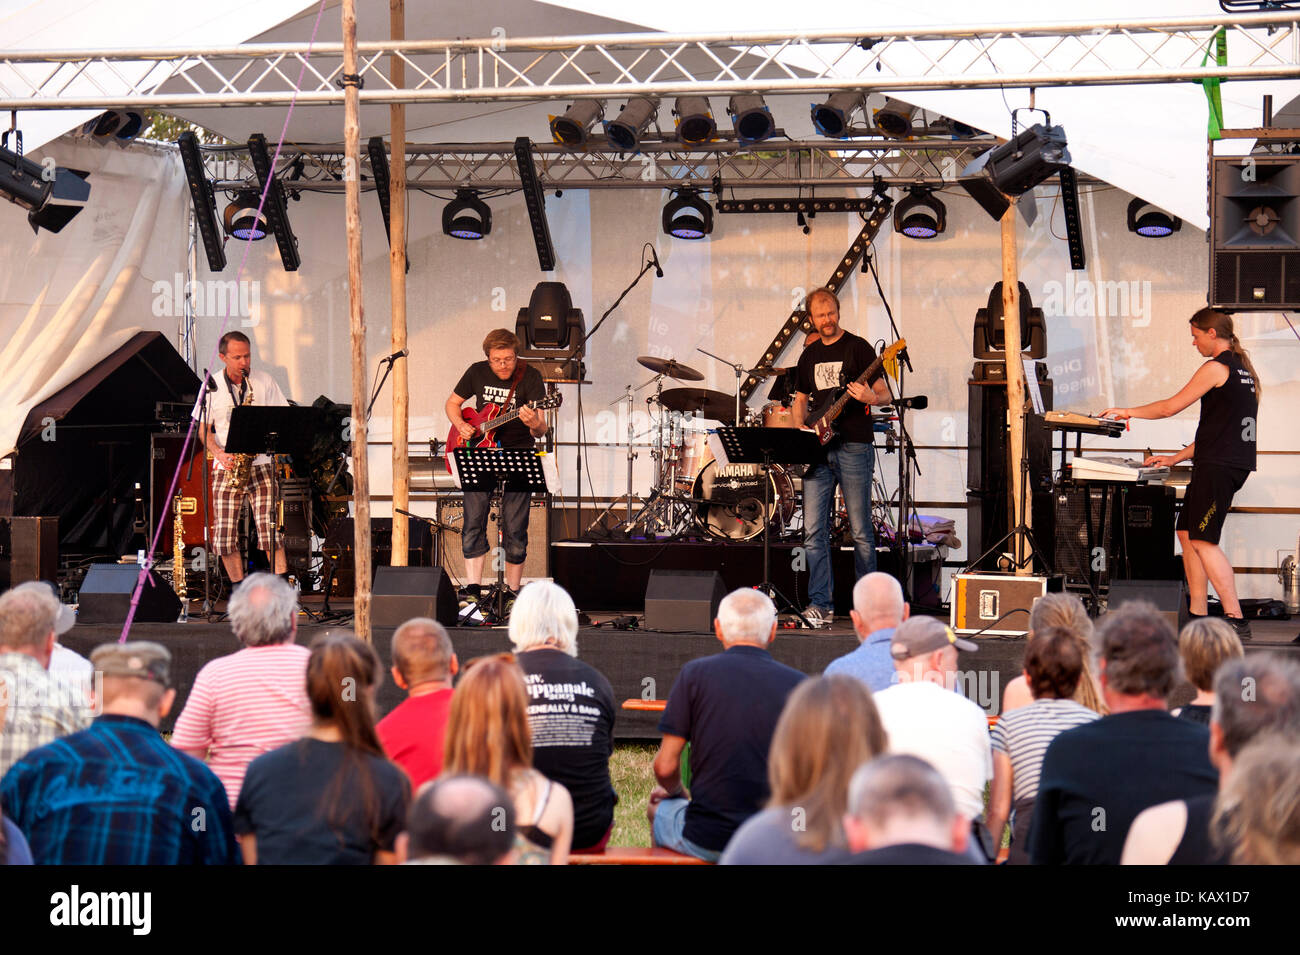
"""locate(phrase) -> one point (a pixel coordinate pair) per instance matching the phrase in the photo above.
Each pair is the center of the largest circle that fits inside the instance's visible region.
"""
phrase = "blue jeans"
(668, 831)
(848, 464)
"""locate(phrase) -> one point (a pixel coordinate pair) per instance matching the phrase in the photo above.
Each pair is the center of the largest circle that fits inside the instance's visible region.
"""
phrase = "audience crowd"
(279, 756)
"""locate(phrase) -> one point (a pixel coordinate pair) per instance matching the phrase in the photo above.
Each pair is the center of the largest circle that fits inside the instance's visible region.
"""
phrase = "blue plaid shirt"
(117, 794)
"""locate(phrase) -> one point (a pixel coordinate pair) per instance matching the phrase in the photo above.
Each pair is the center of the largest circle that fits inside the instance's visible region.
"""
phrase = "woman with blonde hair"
(1222, 456)
(1061, 612)
(829, 728)
(488, 736)
(1205, 645)
(1257, 813)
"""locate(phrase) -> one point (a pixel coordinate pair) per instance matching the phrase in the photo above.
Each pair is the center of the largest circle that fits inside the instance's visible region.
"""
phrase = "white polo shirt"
(946, 730)
(223, 400)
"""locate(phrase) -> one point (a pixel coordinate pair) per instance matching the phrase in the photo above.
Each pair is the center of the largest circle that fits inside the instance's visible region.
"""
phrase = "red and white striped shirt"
(244, 705)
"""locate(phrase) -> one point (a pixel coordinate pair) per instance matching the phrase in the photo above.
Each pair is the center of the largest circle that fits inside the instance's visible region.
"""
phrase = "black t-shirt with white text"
(481, 385)
(825, 368)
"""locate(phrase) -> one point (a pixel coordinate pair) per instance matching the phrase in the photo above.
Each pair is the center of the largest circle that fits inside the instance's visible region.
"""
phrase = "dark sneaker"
(1242, 628)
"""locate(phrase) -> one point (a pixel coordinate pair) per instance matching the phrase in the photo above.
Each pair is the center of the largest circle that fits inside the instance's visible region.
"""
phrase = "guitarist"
(505, 381)
(835, 358)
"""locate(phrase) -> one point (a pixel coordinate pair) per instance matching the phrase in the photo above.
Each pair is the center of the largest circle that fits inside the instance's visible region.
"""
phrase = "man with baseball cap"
(35, 708)
(925, 718)
(116, 793)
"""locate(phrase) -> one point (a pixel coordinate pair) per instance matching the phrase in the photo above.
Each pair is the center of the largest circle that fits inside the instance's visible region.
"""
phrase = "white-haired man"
(901, 813)
(35, 708)
(570, 709)
(878, 609)
(254, 700)
(726, 706)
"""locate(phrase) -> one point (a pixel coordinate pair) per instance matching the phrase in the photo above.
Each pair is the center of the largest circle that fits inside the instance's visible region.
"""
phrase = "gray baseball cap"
(918, 635)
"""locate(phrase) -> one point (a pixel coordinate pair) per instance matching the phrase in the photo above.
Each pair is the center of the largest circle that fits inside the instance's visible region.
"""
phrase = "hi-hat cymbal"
(767, 372)
(709, 403)
(669, 367)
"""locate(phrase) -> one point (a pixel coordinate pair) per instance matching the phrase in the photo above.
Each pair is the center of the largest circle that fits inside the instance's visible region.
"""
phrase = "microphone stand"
(387, 364)
(582, 349)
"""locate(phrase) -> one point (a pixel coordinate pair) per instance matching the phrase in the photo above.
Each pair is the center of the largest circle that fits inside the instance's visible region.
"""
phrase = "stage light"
(51, 203)
(115, 125)
(1015, 167)
(277, 214)
(834, 117)
(1151, 223)
(695, 123)
(242, 219)
(535, 203)
(920, 215)
(204, 203)
(687, 216)
(895, 118)
(751, 118)
(572, 128)
(626, 130)
(550, 321)
(467, 216)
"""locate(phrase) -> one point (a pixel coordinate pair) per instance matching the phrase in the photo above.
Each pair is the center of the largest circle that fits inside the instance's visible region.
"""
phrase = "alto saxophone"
(243, 466)
(178, 550)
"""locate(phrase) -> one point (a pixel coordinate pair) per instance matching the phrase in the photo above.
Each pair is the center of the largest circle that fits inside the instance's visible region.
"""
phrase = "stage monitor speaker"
(106, 596)
(1255, 233)
(29, 550)
(683, 601)
(400, 593)
(1169, 597)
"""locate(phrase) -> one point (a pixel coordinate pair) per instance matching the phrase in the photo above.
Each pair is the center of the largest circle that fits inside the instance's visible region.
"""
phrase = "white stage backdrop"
(1117, 332)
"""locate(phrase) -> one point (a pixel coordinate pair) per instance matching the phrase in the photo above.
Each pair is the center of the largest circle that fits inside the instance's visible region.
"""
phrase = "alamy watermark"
(209, 298)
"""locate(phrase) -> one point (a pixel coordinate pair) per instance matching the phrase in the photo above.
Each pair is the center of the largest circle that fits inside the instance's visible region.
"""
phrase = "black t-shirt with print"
(1226, 432)
(481, 385)
(824, 368)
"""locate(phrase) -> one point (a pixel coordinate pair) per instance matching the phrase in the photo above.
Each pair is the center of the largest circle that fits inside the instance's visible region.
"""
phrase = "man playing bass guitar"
(508, 383)
(826, 364)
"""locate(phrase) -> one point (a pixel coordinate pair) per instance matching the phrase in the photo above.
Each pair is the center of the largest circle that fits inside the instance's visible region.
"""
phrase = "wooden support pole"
(397, 278)
(357, 315)
(1015, 389)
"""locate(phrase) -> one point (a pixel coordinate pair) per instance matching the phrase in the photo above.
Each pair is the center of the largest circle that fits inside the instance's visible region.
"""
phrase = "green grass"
(630, 771)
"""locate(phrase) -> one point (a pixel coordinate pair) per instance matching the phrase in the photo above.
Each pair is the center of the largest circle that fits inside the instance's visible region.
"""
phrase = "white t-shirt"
(946, 730)
(223, 400)
(72, 671)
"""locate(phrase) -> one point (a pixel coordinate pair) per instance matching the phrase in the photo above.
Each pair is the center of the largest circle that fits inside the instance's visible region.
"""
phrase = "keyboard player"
(1222, 456)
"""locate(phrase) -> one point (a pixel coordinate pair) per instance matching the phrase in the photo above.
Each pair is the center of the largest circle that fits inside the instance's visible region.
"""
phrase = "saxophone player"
(237, 385)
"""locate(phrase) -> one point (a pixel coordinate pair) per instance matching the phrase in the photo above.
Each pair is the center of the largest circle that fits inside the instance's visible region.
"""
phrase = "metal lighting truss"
(658, 166)
(1260, 46)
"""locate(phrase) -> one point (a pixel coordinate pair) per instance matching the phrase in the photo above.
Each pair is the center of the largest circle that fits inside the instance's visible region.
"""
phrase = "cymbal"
(669, 367)
(709, 403)
(768, 372)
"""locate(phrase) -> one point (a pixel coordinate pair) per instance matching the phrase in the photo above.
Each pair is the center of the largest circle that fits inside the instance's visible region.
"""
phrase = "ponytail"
(1221, 322)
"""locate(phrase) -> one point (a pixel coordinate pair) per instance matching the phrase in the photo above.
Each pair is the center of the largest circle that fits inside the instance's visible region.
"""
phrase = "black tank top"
(1196, 847)
(1227, 431)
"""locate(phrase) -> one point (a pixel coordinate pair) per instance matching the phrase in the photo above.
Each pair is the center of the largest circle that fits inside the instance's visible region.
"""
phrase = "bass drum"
(729, 500)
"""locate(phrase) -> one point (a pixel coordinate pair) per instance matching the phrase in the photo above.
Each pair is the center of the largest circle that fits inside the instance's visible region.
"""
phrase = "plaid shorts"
(228, 504)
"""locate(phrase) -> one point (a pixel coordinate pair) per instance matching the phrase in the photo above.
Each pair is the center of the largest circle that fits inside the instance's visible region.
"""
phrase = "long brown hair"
(1221, 323)
(829, 728)
(1066, 612)
(341, 675)
(487, 728)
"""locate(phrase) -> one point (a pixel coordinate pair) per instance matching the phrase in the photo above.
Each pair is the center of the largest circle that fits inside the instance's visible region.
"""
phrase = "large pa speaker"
(400, 593)
(1255, 233)
(106, 595)
(29, 550)
(683, 601)
(1169, 596)
(988, 437)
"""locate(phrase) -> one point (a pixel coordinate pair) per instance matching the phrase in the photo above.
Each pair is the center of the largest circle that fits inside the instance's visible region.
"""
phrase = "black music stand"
(765, 446)
(263, 429)
(496, 471)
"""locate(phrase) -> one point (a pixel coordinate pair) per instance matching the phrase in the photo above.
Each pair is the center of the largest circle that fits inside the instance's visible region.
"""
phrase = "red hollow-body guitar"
(488, 419)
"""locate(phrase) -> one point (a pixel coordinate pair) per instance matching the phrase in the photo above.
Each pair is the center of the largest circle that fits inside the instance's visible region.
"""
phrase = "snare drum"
(695, 456)
(730, 500)
(777, 416)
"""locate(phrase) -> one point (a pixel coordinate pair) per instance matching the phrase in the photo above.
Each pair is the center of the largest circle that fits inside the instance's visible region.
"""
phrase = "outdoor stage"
(639, 664)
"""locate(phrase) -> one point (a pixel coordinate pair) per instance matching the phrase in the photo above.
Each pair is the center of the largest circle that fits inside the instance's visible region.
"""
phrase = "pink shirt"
(244, 705)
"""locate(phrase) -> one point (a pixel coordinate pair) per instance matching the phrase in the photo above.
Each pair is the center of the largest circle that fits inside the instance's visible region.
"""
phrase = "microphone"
(397, 354)
(654, 257)
(208, 383)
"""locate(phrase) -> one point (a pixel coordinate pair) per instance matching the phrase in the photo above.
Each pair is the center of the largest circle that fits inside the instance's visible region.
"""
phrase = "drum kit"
(692, 492)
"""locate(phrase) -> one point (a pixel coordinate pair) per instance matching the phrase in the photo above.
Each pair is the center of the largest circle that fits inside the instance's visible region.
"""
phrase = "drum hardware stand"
(629, 397)
(740, 373)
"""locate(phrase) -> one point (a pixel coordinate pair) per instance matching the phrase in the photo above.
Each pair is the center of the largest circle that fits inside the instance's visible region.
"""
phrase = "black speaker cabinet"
(1255, 232)
(1079, 514)
(1146, 536)
(1169, 597)
(400, 593)
(338, 544)
(29, 550)
(106, 596)
(988, 436)
(683, 601)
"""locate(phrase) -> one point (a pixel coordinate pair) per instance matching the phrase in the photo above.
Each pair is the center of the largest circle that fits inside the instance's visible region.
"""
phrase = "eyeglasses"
(501, 362)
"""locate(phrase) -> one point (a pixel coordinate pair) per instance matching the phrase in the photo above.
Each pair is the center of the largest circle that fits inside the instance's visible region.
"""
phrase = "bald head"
(422, 651)
(878, 604)
(466, 818)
